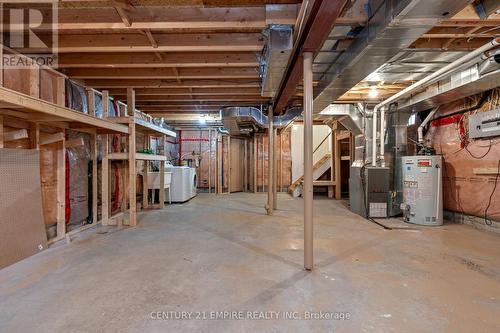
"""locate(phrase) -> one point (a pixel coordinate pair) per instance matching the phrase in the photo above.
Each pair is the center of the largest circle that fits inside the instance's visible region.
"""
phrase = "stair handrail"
(326, 137)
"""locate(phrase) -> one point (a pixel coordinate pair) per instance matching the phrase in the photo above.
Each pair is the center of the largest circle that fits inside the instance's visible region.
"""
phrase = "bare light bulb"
(373, 92)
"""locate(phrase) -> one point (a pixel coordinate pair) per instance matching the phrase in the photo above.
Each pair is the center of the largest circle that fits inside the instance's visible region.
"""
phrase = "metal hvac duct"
(247, 120)
(464, 83)
(275, 56)
(348, 115)
(392, 26)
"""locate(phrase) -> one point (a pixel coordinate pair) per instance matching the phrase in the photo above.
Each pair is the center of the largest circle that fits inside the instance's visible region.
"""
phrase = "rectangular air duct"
(275, 57)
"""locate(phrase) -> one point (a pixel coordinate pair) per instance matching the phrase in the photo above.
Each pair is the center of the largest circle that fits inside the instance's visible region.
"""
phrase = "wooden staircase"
(316, 166)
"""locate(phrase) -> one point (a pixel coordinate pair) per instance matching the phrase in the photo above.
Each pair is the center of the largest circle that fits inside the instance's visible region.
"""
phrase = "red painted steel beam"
(319, 24)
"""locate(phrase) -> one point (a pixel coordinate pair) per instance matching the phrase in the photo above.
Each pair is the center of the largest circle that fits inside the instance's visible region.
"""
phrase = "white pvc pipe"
(374, 138)
(455, 64)
(382, 137)
(420, 129)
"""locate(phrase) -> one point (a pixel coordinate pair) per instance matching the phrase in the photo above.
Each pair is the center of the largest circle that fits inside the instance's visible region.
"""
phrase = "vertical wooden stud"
(145, 188)
(209, 160)
(34, 81)
(255, 163)
(245, 165)
(338, 181)
(35, 136)
(281, 161)
(228, 164)
(61, 189)
(105, 191)
(91, 101)
(162, 184)
(60, 91)
(93, 149)
(1, 128)
(131, 156)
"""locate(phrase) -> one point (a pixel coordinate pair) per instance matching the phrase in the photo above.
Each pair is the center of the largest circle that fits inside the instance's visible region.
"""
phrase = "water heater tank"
(422, 190)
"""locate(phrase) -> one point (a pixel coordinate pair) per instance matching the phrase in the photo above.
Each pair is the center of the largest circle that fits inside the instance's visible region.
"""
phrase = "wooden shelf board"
(40, 110)
(323, 183)
(145, 127)
(138, 156)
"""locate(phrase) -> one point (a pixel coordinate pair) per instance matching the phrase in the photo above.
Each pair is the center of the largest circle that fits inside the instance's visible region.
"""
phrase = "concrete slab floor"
(222, 253)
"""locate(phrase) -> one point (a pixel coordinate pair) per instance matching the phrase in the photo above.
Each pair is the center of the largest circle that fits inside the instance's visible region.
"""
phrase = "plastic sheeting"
(76, 97)
(463, 190)
(79, 191)
(98, 106)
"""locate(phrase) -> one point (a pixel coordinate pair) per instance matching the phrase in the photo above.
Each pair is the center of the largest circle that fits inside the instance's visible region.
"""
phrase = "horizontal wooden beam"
(470, 23)
(138, 42)
(163, 73)
(160, 112)
(157, 83)
(149, 60)
(15, 135)
(170, 3)
(187, 91)
(199, 104)
(446, 44)
(47, 138)
(458, 35)
(254, 18)
(200, 98)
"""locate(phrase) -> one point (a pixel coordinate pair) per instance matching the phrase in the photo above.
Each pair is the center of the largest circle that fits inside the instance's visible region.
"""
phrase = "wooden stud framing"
(1, 130)
(105, 191)
(61, 90)
(145, 188)
(281, 161)
(338, 193)
(61, 189)
(93, 149)
(209, 160)
(162, 184)
(132, 150)
(34, 82)
(255, 163)
(228, 164)
(245, 165)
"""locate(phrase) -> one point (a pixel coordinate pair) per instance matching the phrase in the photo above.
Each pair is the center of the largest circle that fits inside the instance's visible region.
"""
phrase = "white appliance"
(422, 190)
(154, 184)
(184, 183)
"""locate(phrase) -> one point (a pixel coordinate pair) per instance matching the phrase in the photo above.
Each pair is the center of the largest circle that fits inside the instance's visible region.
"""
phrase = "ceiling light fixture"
(203, 118)
(373, 92)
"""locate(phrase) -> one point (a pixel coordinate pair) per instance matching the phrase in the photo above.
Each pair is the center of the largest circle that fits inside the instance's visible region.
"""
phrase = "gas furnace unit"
(422, 190)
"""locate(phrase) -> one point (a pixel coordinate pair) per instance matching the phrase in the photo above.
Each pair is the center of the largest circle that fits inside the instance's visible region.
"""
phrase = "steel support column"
(270, 165)
(308, 161)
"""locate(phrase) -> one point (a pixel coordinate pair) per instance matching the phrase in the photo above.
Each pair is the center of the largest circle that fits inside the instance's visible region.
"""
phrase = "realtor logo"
(28, 28)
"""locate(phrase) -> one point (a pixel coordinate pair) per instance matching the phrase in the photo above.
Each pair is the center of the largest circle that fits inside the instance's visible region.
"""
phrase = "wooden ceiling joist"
(188, 91)
(138, 42)
(163, 73)
(254, 18)
(149, 60)
(464, 44)
(469, 23)
(174, 98)
(144, 83)
(206, 3)
(196, 104)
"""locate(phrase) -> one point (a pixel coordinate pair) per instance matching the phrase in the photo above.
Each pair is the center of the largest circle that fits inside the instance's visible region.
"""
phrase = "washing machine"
(184, 183)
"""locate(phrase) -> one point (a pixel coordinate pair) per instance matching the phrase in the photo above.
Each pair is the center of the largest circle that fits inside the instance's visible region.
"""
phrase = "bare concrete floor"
(221, 253)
